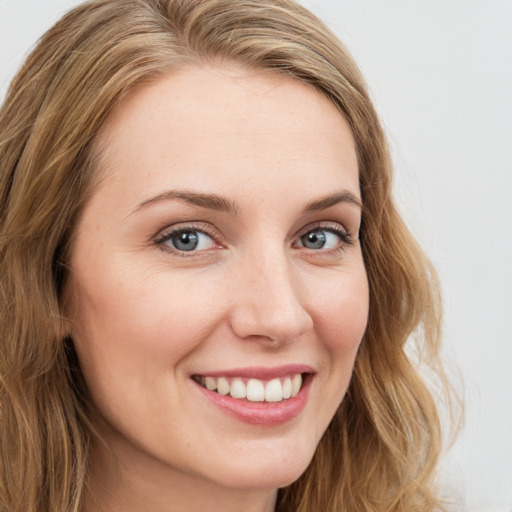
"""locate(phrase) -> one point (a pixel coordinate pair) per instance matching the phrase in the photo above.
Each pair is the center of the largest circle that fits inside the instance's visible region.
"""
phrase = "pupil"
(314, 239)
(186, 241)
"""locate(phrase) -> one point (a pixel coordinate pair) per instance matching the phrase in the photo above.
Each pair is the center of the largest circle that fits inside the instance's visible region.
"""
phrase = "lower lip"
(260, 413)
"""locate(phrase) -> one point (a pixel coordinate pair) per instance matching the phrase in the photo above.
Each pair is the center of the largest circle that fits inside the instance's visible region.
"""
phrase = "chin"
(274, 479)
(272, 471)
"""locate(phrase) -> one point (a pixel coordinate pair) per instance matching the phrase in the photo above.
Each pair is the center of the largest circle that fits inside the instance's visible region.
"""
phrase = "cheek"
(340, 317)
(341, 313)
(132, 334)
(127, 323)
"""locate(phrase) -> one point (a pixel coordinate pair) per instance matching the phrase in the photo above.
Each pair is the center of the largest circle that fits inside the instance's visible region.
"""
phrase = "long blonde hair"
(381, 449)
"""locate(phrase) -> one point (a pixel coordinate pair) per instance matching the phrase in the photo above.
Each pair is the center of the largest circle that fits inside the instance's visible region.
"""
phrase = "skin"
(144, 316)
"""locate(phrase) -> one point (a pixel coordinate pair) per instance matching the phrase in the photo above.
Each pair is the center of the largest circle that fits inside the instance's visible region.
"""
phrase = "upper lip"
(260, 372)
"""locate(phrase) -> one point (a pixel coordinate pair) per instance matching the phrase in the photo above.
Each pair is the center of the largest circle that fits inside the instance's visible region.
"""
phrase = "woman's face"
(220, 250)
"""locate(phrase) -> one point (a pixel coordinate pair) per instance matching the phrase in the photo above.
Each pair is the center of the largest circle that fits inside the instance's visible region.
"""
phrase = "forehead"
(201, 126)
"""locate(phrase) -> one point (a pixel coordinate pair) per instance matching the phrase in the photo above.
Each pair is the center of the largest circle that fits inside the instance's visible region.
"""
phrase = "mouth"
(274, 390)
(260, 396)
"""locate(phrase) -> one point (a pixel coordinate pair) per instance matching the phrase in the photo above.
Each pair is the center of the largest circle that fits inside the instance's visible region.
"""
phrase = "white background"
(441, 76)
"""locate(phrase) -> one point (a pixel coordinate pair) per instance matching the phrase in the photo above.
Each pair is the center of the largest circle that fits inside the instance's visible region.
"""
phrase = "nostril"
(261, 322)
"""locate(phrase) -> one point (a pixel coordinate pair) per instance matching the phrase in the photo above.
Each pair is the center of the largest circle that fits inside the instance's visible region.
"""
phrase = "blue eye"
(187, 240)
(322, 238)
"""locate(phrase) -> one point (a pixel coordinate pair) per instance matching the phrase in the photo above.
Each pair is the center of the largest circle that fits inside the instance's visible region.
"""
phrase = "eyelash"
(346, 240)
(187, 228)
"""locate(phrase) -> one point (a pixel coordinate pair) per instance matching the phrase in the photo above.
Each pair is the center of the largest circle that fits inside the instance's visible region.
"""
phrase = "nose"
(268, 301)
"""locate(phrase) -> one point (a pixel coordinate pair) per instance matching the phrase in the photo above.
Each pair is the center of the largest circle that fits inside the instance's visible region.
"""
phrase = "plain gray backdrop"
(441, 76)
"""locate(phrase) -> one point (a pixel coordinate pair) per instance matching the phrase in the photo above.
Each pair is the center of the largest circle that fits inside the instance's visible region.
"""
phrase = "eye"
(323, 238)
(187, 240)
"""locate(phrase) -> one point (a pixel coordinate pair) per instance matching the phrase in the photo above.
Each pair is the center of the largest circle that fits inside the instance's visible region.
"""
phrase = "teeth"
(223, 386)
(256, 390)
(287, 388)
(210, 383)
(238, 389)
(273, 391)
(296, 384)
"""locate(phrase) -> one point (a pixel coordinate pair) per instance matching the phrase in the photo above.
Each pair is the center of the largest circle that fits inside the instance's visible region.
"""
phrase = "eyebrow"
(222, 204)
(210, 201)
(343, 196)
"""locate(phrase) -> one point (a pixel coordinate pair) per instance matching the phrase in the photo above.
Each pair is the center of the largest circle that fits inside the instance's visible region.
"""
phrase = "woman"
(206, 288)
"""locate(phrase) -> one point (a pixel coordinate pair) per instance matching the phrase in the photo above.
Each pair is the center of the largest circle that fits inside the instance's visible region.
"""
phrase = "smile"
(260, 396)
(252, 389)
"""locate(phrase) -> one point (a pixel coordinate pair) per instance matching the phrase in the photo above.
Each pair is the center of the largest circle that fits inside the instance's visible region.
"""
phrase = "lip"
(261, 413)
(262, 373)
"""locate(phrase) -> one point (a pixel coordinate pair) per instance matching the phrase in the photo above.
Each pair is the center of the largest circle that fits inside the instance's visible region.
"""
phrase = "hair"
(381, 449)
